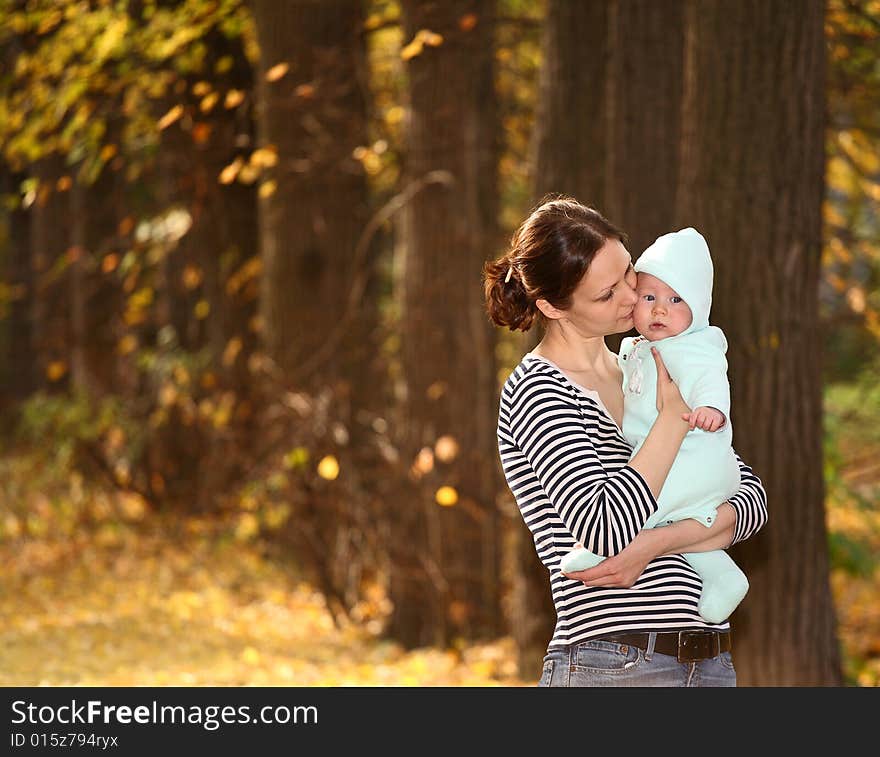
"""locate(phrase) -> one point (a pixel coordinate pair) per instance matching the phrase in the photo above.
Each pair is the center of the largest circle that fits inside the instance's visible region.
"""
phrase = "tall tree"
(313, 199)
(95, 213)
(447, 585)
(643, 114)
(751, 179)
(570, 124)
(17, 378)
(318, 305)
(50, 267)
(196, 171)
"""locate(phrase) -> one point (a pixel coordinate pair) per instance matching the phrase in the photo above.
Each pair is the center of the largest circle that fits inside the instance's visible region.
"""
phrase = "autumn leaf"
(277, 71)
(446, 496)
(170, 117)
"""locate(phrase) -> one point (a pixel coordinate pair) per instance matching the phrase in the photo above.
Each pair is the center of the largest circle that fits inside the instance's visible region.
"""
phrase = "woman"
(632, 620)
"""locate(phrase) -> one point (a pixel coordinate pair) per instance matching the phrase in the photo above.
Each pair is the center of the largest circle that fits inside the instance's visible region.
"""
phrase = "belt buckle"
(695, 649)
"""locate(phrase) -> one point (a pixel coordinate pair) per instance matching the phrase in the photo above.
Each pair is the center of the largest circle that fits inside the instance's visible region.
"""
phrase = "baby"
(672, 314)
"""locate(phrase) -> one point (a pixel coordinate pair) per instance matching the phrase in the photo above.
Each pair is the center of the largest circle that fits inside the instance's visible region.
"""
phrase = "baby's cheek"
(641, 319)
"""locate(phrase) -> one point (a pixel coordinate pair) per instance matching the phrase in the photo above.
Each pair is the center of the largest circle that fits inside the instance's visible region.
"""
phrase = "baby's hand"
(706, 418)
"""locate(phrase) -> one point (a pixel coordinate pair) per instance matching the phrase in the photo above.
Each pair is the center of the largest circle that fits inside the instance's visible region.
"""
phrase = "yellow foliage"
(234, 97)
(424, 462)
(861, 149)
(468, 22)
(127, 344)
(109, 263)
(436, 390)
(208, 102)
(446, 496)
(248, 502)
(295, 458)
(181, 375)
(264, 157)
(394, 115)
(373, 21)
(224, 410)
(248, 271)
(267, 188)
(170, 117)
(233, 347)
(446, 448)
(56, 369)
(328, 468)
(251, 656)
(855, 297)
(168, 394)
(277, 516)
(248, 526)
(201, 132)
(11, 526)
(277, 71)
(248, 174)
(416, 46)
(133, 506)
(228, 174)
(192, 276)
(224, 64)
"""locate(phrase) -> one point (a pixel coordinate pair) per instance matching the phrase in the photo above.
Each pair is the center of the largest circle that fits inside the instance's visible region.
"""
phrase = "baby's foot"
(722, 594)
(579, 559)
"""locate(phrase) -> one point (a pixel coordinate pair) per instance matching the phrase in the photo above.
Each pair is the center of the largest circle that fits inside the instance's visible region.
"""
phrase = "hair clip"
(509, 272)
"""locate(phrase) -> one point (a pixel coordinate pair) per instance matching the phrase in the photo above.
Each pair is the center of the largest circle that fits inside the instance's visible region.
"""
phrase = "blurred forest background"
(248, 389)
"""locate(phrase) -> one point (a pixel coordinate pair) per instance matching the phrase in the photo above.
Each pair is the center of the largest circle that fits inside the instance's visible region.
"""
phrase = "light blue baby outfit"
(705, 472)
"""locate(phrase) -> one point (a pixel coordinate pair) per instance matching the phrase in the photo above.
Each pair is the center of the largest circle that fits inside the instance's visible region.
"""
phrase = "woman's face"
(603, 301)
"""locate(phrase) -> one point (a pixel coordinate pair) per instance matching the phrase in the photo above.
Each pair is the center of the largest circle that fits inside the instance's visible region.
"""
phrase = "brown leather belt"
(686, 646)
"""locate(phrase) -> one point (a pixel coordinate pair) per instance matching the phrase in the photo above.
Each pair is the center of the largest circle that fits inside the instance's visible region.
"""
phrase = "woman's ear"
(548, 310)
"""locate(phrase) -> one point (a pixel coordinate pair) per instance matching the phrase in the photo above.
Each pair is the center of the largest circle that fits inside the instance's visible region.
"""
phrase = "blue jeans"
(607, 663)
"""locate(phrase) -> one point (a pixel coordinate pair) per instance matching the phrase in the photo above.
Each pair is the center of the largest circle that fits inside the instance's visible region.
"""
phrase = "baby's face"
(659, 312)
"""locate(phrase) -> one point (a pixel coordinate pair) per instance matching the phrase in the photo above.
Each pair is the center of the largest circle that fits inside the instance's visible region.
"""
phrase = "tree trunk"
(17, 370)
(313, 206)
(319, 302)
(751, 180)
(645, 62)
(446, 584)
(94, 295)
(569, 135)
(50, 302)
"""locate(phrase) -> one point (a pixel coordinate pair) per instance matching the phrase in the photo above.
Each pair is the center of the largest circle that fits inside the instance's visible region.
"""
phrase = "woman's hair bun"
(506, 300)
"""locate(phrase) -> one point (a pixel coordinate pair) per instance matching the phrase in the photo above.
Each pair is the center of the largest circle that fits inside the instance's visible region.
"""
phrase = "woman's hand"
(624, 569)
(668, 397)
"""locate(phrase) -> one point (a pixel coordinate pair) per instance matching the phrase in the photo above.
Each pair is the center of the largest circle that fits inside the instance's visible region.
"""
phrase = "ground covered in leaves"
(95, 590)
(164, 601)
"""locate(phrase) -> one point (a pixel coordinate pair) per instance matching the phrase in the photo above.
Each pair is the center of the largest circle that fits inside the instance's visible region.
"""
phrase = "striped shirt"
(566, 462)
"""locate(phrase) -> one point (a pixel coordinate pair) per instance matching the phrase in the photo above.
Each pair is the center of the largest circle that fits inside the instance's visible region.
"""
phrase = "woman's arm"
(750, 504)
(739, 518)
(683, 536)
(692, 536)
